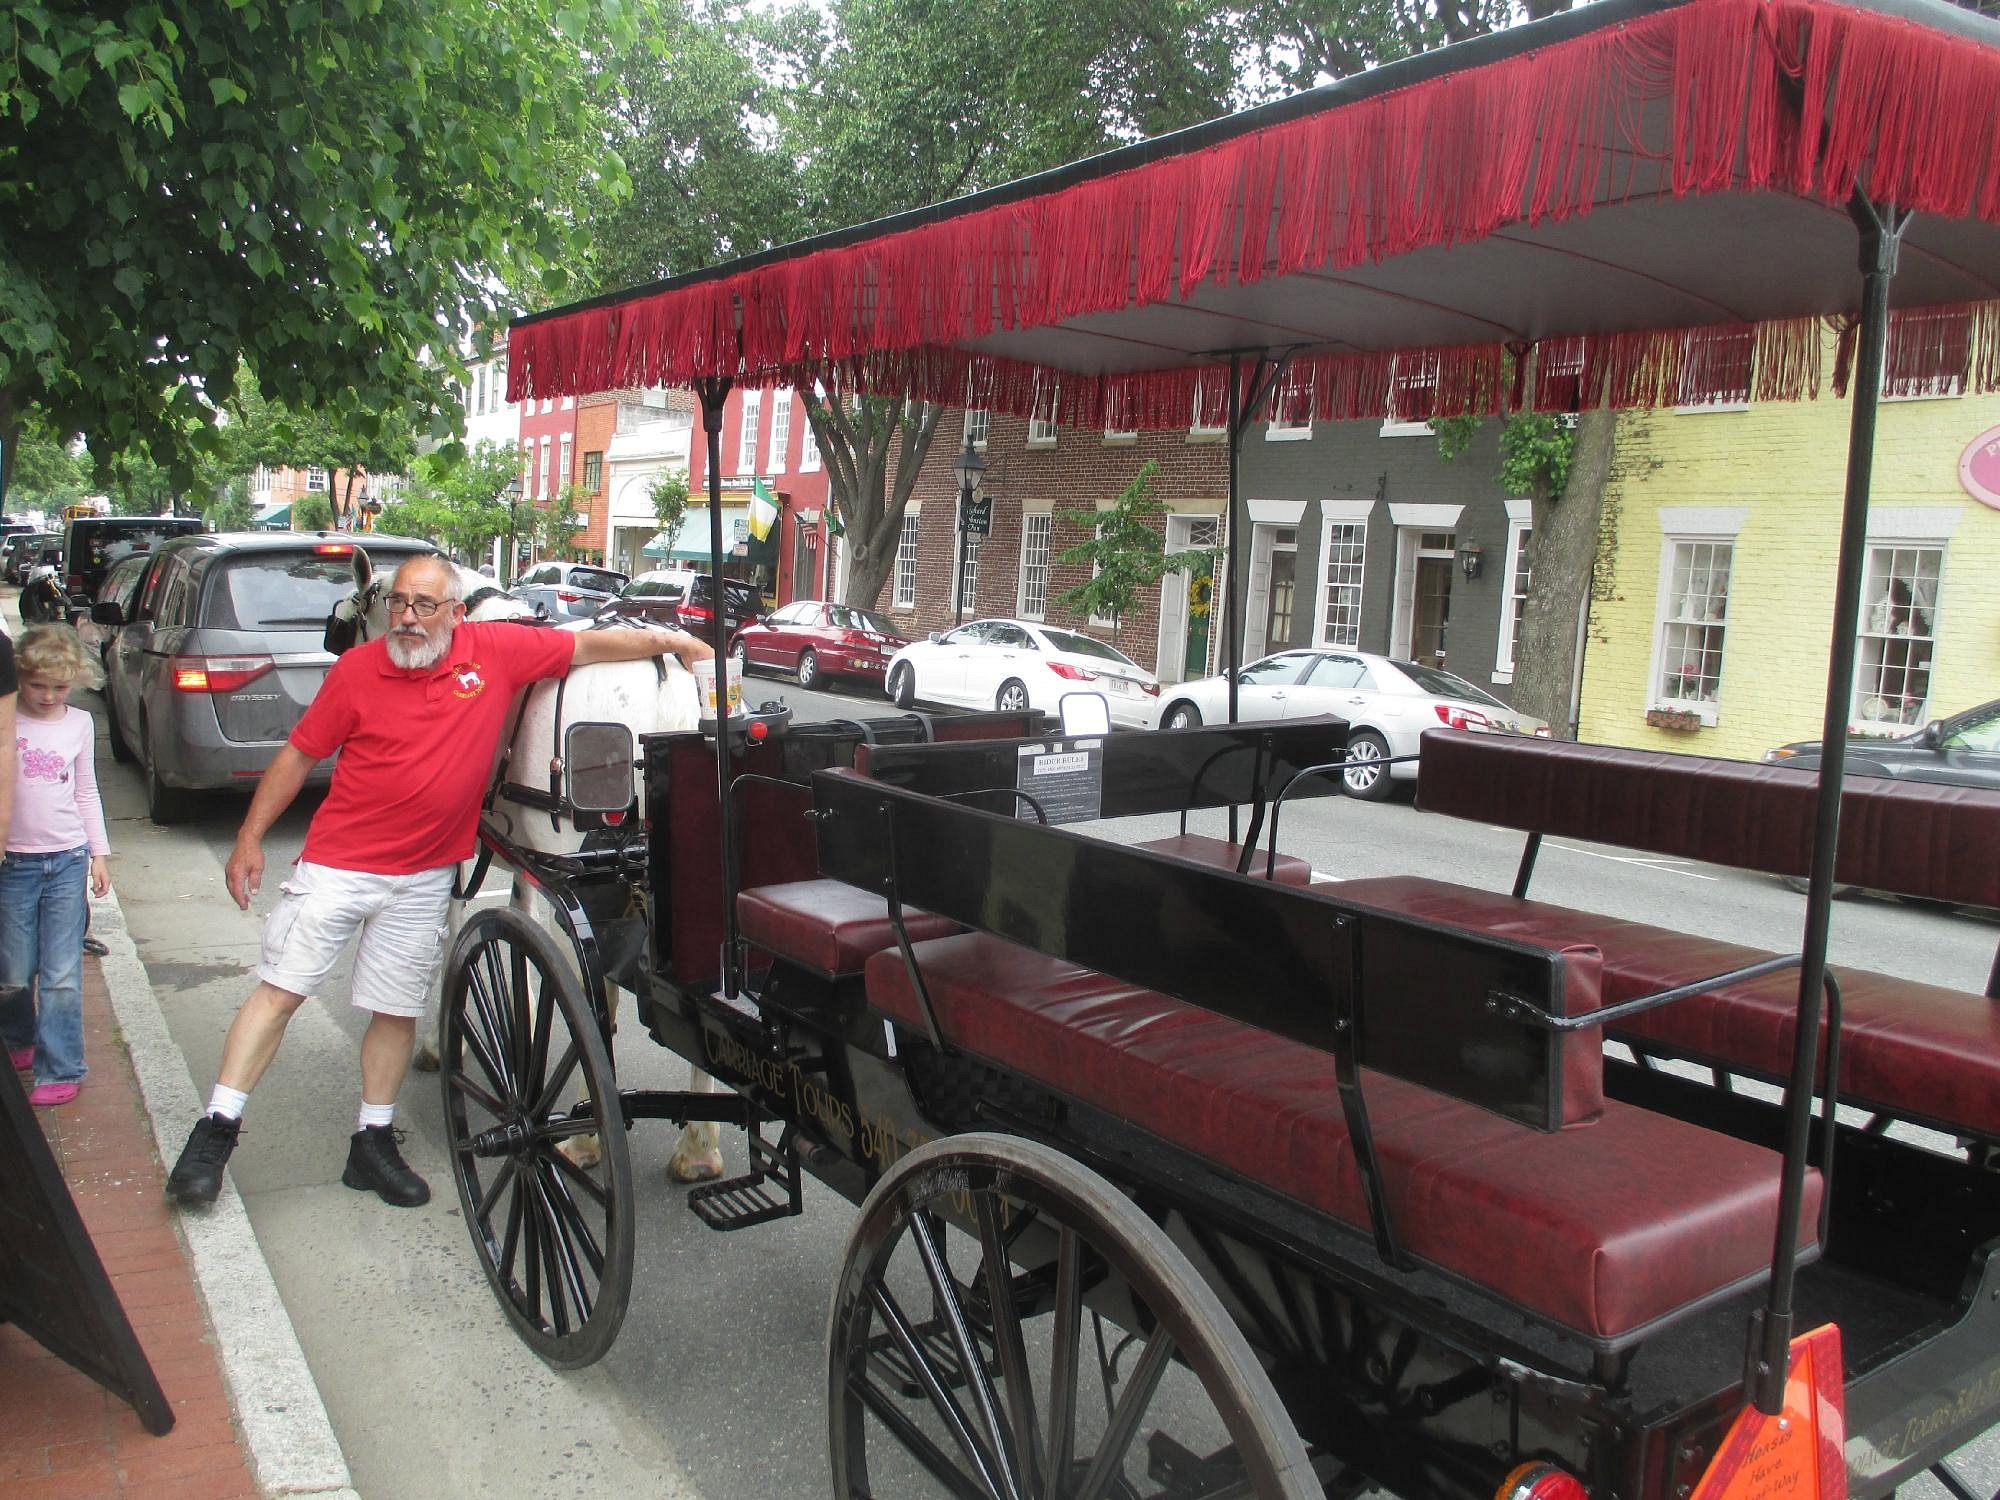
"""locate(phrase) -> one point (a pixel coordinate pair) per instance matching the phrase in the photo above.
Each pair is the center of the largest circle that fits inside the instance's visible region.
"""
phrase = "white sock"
(227, 1102)
(373, 1115)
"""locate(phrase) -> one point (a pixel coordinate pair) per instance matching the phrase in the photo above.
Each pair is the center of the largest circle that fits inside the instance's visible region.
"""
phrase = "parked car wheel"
(1800, 884)
(165, 804)
(1366, 776)
(1012, 697)
(739, 661)
(903, 686)
(808, 670)
(121, 748)
(1181, 715)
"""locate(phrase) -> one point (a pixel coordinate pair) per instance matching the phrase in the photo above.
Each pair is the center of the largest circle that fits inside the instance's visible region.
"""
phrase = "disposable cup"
(704, 688)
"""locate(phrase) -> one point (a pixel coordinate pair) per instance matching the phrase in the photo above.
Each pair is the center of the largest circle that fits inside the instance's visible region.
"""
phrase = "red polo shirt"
(416, 748)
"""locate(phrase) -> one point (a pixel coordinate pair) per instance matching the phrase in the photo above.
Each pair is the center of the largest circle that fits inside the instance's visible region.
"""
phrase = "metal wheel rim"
(808, 670)
(1182, 716)
(554, 1240)
(1362, 777)
(1089, 1217)
(1013, 698)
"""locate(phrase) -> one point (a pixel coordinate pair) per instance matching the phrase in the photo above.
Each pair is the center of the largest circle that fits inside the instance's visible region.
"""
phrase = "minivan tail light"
(1069, 673)
(1461, 718)
(217, 674)
(567, 596)
(334, 549)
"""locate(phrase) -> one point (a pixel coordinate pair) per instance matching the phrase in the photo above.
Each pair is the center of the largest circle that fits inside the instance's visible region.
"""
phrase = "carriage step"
(892, 1365)
(769, 1190)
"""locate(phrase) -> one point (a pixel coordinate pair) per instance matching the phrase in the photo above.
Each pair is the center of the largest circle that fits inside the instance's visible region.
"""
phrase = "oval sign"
(1979, 468)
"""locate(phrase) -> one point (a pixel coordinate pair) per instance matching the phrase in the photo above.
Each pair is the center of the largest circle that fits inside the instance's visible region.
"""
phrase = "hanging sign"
(979, 516)
(1979, 468)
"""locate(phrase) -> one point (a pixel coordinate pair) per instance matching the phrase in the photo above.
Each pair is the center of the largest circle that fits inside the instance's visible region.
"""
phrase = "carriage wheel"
(519, 1042)
(984, 1352)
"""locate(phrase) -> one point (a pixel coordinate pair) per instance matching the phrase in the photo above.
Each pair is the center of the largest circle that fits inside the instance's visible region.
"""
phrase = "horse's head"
(361, 616)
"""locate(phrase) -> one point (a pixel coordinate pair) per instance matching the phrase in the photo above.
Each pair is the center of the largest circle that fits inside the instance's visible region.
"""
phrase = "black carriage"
(1179, 1173)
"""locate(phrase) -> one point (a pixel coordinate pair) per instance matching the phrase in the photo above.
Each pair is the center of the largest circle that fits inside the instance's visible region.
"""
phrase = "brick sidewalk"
(62, 1435)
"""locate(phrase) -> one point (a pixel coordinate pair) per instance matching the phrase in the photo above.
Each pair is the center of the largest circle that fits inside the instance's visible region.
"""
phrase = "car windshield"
(104, 545)
(1977, 733)
(278, 591)
(1083, 645)
(602, 580)
(1441, 684)
(864, 620)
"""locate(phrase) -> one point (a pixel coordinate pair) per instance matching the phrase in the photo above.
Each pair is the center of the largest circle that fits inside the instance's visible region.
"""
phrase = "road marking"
(1670, 866)
(1322, 875)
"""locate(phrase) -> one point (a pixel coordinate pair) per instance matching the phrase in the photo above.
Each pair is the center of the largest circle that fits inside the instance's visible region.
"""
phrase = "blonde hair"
(57, 651)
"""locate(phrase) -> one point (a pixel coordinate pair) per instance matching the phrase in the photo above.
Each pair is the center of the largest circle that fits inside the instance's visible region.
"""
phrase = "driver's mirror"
(107, 612)
(1931, 735)
(1085, 716)
(597, 767)
(937, 635)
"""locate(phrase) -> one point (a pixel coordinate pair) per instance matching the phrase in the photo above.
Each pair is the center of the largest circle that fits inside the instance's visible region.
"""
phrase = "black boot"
(373, 1162)
(197, 1176)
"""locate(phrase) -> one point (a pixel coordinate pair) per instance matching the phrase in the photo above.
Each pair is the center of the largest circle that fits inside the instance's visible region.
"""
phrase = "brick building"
(765, 435)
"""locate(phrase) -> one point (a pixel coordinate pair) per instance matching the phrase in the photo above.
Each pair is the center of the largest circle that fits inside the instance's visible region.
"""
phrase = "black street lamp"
(968, 466)
(512, 495)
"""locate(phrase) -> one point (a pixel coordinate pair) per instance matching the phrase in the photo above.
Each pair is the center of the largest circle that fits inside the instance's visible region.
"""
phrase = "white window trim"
(809, 459)
(1121, 436)
(749, 432)
(1426, 517)
(781, 431)
(1520, 516)
(1394, 426)
(1207, 432)
(1679, 524)
(985, 427)
(1334, 513)
(318, 481)
(565, 462)
(1299, 433)
(1894, 537)
(1048, 526)
(908, 537)
(965, 545)
(1918, 525)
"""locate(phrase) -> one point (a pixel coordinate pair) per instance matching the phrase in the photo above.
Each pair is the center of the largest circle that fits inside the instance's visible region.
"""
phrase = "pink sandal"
(23, 1058)
(49, 1094)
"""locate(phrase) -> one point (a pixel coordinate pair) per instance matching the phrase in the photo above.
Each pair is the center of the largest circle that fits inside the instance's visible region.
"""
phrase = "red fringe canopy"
(1794, 96)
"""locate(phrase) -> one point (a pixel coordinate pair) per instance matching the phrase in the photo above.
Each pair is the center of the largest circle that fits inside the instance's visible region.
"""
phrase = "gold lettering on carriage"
(1921, 1428)
(878, 1138)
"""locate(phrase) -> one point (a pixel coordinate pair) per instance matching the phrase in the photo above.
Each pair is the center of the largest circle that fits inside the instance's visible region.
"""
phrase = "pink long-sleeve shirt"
(56, 806)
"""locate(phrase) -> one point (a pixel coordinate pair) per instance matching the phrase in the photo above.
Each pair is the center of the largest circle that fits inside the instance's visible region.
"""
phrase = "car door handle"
(1277, 695)
(1357, 700)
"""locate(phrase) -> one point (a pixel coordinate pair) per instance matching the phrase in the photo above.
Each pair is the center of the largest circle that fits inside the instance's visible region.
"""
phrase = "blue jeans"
(44, 909)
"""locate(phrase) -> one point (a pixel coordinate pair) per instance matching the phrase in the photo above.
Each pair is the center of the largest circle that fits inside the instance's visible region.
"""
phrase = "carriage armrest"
(1409, 997)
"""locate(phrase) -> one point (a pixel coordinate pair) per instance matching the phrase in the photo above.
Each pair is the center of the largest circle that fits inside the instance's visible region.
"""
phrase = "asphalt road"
(716, 1384)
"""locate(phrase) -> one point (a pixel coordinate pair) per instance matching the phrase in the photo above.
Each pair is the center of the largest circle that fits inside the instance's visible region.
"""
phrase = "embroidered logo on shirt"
(42, 765)
(466, 681)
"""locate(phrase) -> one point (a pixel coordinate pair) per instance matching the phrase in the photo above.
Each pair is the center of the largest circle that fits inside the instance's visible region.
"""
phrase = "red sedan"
(813, 639)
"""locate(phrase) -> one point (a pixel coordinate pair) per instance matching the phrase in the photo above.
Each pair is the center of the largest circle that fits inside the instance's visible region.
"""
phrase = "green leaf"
(43, 57)
(130, 281)
(226, 91)
(134, 100)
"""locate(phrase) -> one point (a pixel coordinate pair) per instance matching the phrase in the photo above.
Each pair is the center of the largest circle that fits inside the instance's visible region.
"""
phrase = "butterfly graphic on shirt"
(38, 764)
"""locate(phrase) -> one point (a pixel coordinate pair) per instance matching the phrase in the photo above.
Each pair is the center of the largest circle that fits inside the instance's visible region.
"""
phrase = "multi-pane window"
(1892, 669)
(905, 596)
(1291, 412)
(1036, 530)
(753, 415)
(548, 467)
(1412, 395)
(968, 573)
(1716, 367)
(1929, 351)
(1515, 603)
(527, 465)
(978, 423)
(1341, 556)
(781, 430)
(1042, 425)
(563, 469)
(1211, 408)
(593, 470)
(316, 480)
(480, 378)
(1693, 620)
(260, 479)
(808, 448)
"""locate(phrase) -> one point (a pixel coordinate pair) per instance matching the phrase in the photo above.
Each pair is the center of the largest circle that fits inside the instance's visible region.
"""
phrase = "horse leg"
(698, 1153)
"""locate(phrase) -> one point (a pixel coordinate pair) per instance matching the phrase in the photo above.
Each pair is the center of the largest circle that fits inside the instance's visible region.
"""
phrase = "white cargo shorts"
(401, 920)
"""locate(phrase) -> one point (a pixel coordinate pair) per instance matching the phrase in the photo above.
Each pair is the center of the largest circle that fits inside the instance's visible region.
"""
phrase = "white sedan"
(1388, 704)
(1012, 665)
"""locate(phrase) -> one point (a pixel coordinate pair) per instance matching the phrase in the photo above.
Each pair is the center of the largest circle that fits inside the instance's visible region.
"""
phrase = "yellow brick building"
(1717, 605)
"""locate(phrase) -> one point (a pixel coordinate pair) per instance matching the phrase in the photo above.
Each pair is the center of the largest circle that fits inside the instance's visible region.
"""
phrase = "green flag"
(763, 509)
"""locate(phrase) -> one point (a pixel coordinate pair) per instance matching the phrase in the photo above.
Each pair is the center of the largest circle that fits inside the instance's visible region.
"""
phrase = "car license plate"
(1119, 685)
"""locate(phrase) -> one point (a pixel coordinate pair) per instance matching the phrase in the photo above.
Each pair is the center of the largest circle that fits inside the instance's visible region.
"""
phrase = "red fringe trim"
(1914, 111)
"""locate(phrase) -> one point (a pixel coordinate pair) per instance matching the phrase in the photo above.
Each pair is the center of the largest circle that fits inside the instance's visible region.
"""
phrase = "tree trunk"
(855, 441)
(1562, 556)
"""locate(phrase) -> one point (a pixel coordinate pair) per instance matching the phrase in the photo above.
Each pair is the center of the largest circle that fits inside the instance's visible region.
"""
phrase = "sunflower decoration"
(1201, 593)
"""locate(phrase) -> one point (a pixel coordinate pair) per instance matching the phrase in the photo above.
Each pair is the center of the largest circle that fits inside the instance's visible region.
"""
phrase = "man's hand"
(245, 871)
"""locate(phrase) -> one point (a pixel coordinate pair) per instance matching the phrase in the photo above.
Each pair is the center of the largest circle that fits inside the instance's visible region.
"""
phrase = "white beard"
(417, 651)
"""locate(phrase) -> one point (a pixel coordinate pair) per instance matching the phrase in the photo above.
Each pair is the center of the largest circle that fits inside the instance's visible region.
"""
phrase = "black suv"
(1963, 750)
(93, 543)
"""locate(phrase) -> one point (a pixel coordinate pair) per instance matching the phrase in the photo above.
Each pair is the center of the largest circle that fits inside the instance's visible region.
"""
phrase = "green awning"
(692, 543)
(277, 518)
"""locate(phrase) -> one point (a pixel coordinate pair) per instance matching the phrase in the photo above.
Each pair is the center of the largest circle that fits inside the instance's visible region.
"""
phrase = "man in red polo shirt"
(416, 717)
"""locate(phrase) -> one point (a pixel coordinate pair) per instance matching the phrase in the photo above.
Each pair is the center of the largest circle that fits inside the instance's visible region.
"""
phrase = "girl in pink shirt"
(55, 847)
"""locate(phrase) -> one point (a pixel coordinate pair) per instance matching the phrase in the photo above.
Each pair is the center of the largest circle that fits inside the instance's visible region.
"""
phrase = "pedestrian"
(416, 716)
(56, 849)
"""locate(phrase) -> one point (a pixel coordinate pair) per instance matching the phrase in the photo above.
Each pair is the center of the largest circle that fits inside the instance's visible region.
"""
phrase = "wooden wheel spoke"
(1067, 1347)
(1009, 1344)
(933, 1381)
(485, 1031)
(530, 1249)
(945, 1296)
(582, 1179)
(558, 1194)
(546, 1269)
(477, 1095)
(562, 1249)
(494, 991)
(914, 1438)
(519, 1028)
(558, 1080)
(1130, 1411)
(501, 1177)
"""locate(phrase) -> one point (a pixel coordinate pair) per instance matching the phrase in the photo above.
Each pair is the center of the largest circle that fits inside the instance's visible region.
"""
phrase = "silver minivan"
(215, 655)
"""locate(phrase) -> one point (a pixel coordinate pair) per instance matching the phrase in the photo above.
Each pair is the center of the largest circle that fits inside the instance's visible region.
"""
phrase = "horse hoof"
(426, 1059)
(581, 1151)
(695, 1166)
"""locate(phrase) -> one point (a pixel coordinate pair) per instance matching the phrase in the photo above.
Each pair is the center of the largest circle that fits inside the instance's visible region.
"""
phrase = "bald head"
(429, 575)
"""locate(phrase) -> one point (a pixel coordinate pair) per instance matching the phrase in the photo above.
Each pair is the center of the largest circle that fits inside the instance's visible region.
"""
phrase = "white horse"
(650, 696)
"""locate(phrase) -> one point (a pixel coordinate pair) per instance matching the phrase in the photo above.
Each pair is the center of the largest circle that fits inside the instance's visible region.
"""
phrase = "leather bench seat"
(1223, 855)
(827, 925)
(1604, 1226)
(1917, 1051)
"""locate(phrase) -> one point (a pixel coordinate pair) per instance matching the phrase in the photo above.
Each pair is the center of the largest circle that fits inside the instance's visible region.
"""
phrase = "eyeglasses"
(421, 607)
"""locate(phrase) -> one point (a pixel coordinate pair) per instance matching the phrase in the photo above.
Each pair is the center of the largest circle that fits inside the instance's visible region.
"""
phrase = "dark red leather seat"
(1604, 1226)
(1914, 1050)
(827, 925)
(1289, 869)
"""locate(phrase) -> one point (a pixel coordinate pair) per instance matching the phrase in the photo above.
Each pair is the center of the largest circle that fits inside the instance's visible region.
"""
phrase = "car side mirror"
(107, 612)
(937, 635)
(597, 767)
(1931, 735)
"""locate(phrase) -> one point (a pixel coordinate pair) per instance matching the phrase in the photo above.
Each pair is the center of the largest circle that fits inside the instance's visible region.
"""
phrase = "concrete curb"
(293, 1451)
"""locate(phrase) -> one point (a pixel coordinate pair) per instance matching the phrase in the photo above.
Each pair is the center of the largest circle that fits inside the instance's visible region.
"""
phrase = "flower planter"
(1684, 720)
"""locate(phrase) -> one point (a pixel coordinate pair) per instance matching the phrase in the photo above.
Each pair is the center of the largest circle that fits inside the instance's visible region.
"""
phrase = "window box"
(1681, 720)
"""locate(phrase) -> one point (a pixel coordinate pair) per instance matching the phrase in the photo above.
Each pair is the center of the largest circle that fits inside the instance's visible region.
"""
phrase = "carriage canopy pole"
(714, 393)
(1771, 1331)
